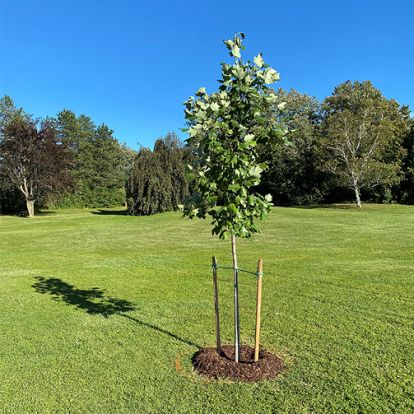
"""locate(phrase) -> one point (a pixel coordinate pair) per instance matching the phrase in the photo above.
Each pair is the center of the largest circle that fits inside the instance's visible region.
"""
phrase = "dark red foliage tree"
(33, 159)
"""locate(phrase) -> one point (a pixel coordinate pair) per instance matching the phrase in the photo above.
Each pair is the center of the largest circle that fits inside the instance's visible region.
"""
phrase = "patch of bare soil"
(209, 363)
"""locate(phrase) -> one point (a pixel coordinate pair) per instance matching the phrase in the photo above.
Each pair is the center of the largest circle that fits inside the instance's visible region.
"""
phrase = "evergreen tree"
(106, 180)
(8, 111)
(99, 162)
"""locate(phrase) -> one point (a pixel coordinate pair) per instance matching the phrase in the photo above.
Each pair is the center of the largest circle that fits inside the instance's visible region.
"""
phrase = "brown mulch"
(209, 363)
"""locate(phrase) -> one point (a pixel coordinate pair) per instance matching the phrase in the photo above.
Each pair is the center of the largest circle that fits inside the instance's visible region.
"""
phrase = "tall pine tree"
(99, 163)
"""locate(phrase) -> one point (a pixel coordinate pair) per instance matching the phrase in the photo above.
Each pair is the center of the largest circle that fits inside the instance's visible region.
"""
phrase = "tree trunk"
(236, 303)
(30, 207)
(358, 200)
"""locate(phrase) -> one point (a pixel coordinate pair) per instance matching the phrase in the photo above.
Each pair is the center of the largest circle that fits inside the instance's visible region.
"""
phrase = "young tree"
(358, 128)
(226, 128)
(34, 160)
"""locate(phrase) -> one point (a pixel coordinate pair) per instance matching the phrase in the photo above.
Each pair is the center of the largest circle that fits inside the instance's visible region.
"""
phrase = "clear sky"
(131, 63)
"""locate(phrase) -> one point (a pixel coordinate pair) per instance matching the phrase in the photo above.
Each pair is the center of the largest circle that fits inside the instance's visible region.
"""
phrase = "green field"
(97, 308)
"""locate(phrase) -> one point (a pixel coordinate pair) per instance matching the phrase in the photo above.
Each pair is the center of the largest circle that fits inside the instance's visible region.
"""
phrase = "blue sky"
(130, 64)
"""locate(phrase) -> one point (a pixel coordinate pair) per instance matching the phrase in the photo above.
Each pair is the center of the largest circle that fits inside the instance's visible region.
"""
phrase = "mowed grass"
(99, 309)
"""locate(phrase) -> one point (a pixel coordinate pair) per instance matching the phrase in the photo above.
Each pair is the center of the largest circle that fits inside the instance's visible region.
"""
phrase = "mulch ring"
(209, 363)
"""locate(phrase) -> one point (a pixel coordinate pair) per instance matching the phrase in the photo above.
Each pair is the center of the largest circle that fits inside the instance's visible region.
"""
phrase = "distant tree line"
(61, 162)
(354, 145)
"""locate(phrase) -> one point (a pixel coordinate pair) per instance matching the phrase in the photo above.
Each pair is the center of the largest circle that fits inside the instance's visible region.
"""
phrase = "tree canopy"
(225, 128)
(157, 182)
(358, 129)
(101, 163)
(33, 159)
(293, 177)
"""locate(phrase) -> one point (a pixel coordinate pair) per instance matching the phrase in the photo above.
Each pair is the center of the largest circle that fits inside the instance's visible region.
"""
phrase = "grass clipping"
(209, 363)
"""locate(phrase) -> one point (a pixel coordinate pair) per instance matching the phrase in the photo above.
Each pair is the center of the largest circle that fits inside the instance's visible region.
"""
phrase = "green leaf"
(268, 198)
(250, 200)
(212, 198)
(229, 44)
(258, 60)
(270, 76)
(248, 137)
(190, 176)
(255, 171)
(234, 187)
(236, 51)
(214, 107)
(224, 235)
(238, 72)
(255, 228)
(201, 92)
(232, 208)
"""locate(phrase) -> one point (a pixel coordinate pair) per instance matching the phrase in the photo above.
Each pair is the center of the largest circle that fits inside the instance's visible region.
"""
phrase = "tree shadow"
(25, 214)
(330, 206)
(160, 330)
(94, 301)
(110, 212)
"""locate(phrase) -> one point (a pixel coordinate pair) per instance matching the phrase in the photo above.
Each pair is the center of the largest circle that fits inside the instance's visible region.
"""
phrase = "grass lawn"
(98, 309)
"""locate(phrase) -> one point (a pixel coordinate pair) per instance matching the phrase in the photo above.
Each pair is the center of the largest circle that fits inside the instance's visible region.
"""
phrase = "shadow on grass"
(331, 206)
(44, 213)
(93, 301)
(111, 212)
(24, 214)
(160, 330)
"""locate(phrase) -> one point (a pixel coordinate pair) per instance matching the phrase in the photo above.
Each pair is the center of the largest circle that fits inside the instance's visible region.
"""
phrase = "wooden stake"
(258, 308)
(216, 306)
